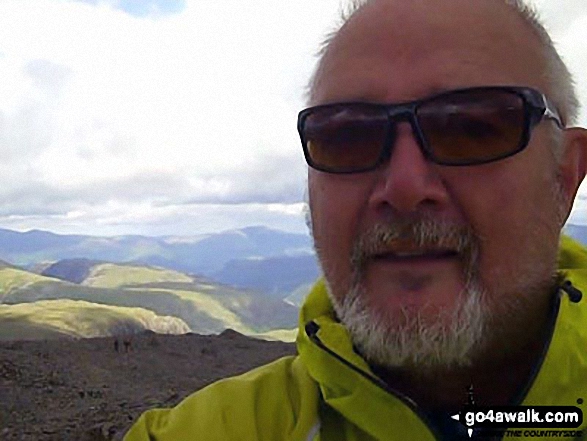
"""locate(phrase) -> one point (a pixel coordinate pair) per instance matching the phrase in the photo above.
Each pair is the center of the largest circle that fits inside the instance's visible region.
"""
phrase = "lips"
(406, 250)
(415, 241)
(416, 254)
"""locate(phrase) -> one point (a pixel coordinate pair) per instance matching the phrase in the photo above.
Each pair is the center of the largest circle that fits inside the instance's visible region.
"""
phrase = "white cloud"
(95, 96)
(114, 218)
(164, 111)
(568, 20)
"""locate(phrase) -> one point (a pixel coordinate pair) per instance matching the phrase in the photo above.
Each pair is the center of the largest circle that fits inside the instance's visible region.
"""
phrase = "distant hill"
(577, 232)
(71, 270)
(201, 254)
(278, 276)
(4, 264)
(215, 255)
(298, 295)
(50, 319)
(13, 243)
(258, 260)
(204, 306)
(251, 280)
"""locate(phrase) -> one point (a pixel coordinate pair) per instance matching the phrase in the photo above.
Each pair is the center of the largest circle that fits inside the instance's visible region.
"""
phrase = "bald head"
(415, 29)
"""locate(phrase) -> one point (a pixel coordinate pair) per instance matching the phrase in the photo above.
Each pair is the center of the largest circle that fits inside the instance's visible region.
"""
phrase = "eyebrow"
(370, 96)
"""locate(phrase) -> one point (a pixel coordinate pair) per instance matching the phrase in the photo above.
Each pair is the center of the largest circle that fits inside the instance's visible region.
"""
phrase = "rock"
(206, 350)
(97, 394)
(231, 334)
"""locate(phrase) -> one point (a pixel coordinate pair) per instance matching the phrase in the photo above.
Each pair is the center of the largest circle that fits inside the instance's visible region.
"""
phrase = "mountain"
(204, 306)
(298, 295)
(71, 270)
(205, 255)
(201, 254)
(50, 319)
(33, 241)
(277, 276)
(577, 232)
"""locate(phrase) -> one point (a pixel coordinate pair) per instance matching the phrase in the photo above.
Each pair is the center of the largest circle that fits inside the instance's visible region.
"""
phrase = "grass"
(206, 308)
(214, 309)
(109, 275)
(76, 318)
(13, 278)
(287, 335)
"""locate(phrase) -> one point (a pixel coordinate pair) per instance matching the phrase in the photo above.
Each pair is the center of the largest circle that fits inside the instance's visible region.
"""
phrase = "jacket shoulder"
(277, 401)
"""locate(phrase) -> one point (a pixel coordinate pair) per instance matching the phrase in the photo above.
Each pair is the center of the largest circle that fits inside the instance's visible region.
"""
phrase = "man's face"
(508, 211)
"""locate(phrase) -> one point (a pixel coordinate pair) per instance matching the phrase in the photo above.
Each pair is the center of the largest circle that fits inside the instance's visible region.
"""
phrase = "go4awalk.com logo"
(523, 421)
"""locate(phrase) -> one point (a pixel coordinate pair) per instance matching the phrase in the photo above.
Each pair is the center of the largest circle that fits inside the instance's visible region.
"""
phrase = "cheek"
(516, 221)
(335, 210)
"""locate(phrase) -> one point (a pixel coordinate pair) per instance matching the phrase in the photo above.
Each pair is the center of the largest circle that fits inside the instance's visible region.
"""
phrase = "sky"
(163, 117)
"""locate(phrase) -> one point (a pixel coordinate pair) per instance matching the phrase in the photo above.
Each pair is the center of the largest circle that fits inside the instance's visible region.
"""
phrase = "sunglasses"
(459, 127)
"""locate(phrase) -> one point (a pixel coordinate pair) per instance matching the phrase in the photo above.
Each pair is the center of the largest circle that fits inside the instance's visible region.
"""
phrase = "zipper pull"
(312, 329)
(574, 294)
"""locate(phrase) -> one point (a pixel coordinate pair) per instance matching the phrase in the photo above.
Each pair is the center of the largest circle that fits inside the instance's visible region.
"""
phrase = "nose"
(408, 182)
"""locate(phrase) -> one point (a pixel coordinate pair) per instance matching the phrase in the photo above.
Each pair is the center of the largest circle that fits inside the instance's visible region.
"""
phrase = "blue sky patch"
(143, 8)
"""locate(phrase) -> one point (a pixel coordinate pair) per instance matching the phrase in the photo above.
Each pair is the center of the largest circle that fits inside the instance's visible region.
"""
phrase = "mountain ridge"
(203, 255)
(205, 307)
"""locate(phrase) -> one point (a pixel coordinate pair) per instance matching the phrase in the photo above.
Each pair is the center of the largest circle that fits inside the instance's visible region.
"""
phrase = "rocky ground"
(86, 390)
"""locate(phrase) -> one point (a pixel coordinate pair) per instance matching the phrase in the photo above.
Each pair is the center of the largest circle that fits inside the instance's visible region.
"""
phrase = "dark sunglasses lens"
(473, 126)
(345, 138)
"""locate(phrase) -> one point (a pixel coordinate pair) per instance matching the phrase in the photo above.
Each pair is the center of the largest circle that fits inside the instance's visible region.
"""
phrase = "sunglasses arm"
(550, 112)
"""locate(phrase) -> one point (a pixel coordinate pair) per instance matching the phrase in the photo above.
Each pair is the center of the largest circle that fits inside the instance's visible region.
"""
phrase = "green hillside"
(110, 275)
(13, 279)
(240, 310)
(213, 307)
(204, 307)
(287, 335)
(48, 319)
(188, 306)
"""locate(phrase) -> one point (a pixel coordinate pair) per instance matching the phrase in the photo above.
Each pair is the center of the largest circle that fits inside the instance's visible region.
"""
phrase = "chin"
(416, 335)
(430, 304)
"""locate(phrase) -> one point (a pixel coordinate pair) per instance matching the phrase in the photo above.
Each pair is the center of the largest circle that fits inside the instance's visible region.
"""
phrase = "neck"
(493, 383)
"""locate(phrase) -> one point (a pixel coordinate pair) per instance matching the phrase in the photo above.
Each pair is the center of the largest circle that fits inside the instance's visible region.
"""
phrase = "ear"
(573, 164)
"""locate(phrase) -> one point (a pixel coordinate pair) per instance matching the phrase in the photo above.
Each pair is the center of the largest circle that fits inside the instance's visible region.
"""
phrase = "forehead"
(393, 50)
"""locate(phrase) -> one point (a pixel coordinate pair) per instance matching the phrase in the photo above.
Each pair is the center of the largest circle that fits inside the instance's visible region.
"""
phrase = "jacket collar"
(561, 379)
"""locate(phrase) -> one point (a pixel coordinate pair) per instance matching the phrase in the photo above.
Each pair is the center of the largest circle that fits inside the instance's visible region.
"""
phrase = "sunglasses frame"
(536, 107)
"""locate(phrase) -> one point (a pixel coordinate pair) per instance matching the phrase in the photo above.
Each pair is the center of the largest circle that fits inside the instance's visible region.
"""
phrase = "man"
(443, 166)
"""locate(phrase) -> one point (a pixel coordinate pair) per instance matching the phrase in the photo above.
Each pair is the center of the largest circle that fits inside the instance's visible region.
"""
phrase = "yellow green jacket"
(328, 392)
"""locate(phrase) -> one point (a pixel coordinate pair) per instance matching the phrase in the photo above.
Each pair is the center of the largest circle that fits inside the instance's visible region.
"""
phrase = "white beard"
(416, 339)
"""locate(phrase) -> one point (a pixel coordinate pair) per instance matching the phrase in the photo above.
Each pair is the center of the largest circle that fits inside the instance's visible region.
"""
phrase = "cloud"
(123, 108)
(566, 21)
(113, 123)
(143, 218)
(104, 105)
(558, 14)
(47, 76)
(574, 55)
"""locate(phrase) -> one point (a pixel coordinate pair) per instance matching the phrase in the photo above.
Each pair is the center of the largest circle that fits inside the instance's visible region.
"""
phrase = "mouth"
(415, 244)
(416, 255)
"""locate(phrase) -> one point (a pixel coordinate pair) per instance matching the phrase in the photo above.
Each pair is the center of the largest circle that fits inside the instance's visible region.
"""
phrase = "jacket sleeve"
(278, 401)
